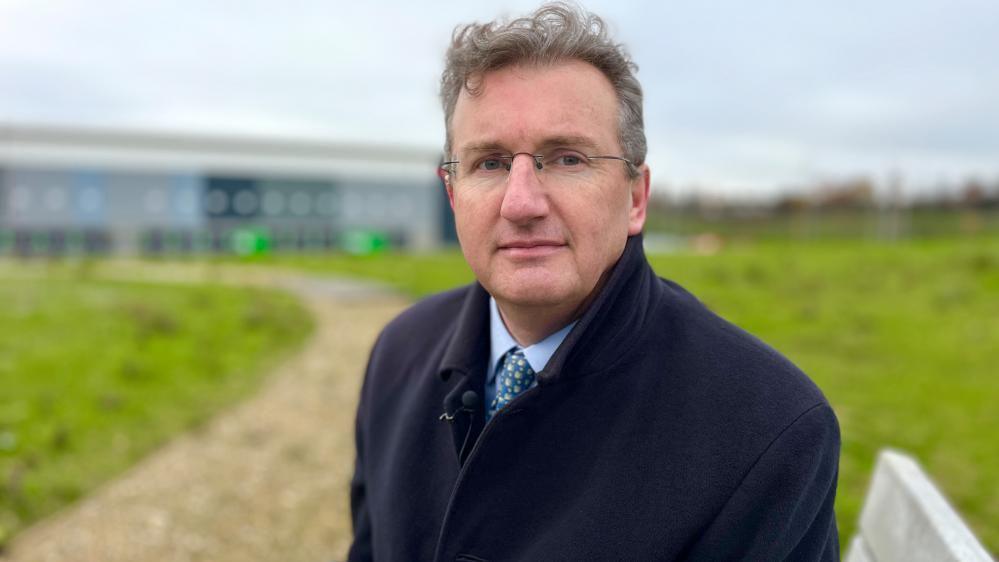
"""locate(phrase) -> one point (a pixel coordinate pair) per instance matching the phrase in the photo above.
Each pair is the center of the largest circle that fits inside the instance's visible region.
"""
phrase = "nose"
(525, 199)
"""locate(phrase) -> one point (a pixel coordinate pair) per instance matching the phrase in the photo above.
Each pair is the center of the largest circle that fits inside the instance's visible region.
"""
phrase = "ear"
(446, 178)
(639, 200)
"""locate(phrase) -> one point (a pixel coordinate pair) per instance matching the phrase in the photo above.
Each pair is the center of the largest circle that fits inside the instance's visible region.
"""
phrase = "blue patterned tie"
(514, 377)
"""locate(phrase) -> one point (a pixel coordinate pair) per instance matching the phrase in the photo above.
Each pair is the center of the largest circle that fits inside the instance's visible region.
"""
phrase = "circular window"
(273, 203)
(245, 203)
(326, 204)
(301, 203)
(55, 199)
(216, 202)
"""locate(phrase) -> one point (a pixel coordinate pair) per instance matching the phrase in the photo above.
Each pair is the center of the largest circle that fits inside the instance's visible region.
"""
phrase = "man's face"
(532, 241)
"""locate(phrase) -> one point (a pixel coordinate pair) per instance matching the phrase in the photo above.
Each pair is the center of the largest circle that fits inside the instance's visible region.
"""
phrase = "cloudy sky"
(744, 98)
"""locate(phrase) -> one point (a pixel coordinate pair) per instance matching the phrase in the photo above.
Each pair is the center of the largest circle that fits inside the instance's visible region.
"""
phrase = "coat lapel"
(466, 357)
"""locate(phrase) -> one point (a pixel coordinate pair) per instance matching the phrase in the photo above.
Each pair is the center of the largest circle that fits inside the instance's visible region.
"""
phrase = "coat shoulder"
(737, 366)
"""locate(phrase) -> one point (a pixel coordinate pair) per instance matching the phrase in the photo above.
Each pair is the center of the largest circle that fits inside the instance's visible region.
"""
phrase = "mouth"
(528, 249)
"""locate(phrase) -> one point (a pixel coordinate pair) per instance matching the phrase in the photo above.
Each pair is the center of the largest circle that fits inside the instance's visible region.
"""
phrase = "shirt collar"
(501, 341)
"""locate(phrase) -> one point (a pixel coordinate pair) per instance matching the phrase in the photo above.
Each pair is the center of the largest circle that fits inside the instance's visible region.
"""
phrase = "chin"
(533, 292)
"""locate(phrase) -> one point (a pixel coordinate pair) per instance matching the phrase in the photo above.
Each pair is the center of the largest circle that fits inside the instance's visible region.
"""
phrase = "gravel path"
(266, 480)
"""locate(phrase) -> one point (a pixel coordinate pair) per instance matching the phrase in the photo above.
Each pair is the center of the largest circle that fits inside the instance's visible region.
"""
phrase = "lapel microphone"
(469, 401)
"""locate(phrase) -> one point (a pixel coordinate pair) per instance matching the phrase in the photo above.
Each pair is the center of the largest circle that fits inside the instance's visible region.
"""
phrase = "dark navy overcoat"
(658, 431)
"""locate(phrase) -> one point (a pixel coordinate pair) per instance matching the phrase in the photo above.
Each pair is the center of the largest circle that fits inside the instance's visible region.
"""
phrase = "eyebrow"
(551, 142)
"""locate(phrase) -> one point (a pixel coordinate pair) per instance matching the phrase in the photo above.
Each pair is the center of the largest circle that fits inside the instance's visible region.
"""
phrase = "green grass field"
(95, 374)
(903, 339)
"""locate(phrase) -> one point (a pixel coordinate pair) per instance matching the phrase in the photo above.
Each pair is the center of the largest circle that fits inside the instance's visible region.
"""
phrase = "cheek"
(599, 231)
(472, 218)
(597, 221)
(467, 211)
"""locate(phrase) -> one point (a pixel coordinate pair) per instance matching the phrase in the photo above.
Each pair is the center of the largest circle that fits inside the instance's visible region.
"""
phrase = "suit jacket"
(658, 431)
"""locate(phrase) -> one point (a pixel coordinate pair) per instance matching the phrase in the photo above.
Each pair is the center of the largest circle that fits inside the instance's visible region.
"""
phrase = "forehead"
(520, 107)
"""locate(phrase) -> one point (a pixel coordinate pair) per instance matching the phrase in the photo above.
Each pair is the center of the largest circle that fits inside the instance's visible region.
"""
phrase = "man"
(571, 405)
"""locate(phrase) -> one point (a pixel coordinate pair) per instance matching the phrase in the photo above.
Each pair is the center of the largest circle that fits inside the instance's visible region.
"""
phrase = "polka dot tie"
(514, 377)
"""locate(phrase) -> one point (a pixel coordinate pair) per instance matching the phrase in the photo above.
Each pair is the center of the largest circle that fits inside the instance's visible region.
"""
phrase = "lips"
(529, 244)
(530, 248)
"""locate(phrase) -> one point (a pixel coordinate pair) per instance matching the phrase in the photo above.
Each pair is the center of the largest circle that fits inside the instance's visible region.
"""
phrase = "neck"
(529, 324)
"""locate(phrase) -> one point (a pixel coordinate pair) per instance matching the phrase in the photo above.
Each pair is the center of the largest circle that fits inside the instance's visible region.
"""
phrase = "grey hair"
(555, 32)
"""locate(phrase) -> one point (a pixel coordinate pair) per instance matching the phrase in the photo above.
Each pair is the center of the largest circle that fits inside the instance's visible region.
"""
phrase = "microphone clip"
(469, 400)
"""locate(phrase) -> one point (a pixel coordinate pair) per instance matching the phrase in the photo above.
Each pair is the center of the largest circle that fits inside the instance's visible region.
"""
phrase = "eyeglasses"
(557, 165)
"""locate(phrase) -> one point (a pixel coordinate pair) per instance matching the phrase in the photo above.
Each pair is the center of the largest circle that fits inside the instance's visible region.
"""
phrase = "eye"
(567, 159)
(490, 164)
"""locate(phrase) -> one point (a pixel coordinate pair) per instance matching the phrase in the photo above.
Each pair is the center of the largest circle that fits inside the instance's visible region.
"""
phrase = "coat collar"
(605, 332)
(469, 346)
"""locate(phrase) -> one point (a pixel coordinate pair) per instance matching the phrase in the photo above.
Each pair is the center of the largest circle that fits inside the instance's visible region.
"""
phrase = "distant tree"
(856, 193)
(973, 193)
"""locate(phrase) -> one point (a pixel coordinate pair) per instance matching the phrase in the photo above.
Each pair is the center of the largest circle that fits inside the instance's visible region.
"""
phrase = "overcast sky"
(742, 97)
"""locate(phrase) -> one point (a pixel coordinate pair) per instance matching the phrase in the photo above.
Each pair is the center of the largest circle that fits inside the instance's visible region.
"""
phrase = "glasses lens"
(554, 167)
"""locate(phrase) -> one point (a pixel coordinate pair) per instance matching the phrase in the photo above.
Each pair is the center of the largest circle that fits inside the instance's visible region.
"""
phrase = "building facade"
(78, 191)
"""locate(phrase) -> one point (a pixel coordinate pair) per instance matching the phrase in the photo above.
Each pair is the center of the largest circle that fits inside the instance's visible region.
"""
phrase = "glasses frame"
(507, 160)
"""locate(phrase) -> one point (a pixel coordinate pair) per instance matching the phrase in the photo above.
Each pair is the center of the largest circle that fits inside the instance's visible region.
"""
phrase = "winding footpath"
(264, 481)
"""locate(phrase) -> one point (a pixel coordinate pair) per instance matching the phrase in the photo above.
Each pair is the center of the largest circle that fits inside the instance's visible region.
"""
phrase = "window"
(245, 202)
(326, 204)
(301, 203)
(55, 199)
(273, 203)
(217, 201)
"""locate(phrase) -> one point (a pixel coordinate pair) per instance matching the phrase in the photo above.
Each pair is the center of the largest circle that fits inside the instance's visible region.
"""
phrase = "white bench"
(905, 518)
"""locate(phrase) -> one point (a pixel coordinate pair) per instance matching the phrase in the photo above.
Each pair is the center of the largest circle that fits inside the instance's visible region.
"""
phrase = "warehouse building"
(82, 191)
